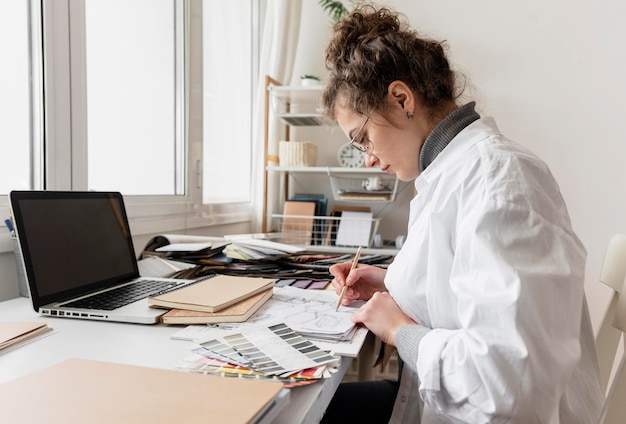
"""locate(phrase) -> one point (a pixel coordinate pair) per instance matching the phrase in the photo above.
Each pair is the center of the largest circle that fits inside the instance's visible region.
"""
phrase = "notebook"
(88, 391)
(79, 257)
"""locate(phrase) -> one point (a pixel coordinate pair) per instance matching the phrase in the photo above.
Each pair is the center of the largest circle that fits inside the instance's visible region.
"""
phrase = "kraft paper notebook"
(86, 391)
(239, 312)
(16, 333)
(213, 294)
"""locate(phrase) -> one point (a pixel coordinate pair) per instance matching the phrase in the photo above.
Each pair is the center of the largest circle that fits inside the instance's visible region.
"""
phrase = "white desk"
(143, 345)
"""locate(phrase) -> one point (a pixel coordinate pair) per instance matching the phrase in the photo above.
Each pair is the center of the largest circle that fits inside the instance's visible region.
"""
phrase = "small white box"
(297, 153)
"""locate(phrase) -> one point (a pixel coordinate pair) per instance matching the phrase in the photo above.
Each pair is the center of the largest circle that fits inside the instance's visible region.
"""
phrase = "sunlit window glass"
(15, 114)
(227, 100)
(134, 142)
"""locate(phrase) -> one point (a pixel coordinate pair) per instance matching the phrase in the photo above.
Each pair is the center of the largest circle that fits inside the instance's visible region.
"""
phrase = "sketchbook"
(239, 312)
(212, 294)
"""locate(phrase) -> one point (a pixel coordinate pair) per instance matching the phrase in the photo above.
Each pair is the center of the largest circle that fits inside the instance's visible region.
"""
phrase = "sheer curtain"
(278, 52)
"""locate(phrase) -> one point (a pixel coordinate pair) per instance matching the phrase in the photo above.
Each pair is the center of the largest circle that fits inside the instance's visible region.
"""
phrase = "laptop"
(79, 258)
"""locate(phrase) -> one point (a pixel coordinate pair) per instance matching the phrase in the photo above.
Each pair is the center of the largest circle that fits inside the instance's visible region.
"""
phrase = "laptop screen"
(72, 242)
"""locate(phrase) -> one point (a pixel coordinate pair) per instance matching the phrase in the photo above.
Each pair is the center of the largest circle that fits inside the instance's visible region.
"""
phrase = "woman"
(484, 301)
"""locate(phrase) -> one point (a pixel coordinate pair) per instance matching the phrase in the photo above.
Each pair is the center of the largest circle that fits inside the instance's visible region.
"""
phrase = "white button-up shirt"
(491, 264)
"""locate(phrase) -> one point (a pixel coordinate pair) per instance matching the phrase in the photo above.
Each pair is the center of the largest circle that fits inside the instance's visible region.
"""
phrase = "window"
(19, 142)
(135, 96)
(228, 67)
(126, 110)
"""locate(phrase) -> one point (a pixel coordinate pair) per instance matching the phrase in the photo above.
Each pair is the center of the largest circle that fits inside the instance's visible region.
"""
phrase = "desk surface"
(134, 344)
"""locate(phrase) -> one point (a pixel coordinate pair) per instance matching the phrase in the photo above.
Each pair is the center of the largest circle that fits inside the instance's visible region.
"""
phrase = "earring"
(409, 116)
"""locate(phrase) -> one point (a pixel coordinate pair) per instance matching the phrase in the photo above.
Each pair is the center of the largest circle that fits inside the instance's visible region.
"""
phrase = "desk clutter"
(288, 330)
(255, 329)
(282, 340)
(296, 337)
(287, 264)
(257, 310)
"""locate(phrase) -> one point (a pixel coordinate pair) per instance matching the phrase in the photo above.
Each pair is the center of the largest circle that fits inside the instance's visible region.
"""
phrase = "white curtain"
(278, 52)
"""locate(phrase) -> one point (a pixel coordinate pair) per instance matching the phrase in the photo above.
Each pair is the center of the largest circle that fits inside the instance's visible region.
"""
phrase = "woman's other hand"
(383, 317)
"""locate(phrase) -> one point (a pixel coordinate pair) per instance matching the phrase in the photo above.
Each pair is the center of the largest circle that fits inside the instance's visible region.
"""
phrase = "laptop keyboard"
(121, 296)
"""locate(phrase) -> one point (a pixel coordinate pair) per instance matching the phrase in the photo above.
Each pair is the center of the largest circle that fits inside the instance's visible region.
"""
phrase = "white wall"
(551, 73)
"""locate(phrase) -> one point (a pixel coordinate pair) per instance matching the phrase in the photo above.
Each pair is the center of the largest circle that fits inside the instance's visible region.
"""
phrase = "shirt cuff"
(408, 339)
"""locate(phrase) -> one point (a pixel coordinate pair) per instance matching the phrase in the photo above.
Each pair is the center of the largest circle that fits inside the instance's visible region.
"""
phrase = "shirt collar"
(444, 132)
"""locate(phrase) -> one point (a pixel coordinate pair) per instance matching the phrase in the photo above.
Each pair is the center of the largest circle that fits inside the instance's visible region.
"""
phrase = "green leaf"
(335, 9)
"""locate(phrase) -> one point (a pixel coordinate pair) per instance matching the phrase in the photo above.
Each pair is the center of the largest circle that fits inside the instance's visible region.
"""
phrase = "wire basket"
(350, 229)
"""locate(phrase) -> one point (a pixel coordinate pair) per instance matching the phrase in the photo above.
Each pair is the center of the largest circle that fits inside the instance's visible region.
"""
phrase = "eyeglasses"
(364, 145)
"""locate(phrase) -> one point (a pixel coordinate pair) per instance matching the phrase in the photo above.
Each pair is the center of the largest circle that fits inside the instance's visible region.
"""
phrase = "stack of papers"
(312, 313)
(184, 247)
(192, 251)
(270, 351)
(255, 249)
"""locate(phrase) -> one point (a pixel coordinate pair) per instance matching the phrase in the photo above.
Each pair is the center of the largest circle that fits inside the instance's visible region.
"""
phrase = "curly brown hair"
(371, 48)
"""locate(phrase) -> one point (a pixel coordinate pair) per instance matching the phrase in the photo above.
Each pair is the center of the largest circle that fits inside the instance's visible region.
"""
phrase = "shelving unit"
(299, 106)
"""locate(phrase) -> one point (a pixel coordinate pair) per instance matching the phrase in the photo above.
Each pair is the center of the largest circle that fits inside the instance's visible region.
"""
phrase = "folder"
(87, 391)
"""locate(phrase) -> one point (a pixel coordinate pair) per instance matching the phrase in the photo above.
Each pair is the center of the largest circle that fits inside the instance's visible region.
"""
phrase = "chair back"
(612, 331)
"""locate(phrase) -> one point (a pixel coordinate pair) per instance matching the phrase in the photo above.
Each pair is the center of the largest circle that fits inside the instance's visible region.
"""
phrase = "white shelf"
(297, 106)
(346, 183)
(310, 93)
(328, 170)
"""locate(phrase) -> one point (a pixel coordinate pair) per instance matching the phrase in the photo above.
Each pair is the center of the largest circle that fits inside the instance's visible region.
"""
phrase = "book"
(239, 312)
(321, 203)
(212, 294)
(16, 333)
(297, 225)
(120, 393)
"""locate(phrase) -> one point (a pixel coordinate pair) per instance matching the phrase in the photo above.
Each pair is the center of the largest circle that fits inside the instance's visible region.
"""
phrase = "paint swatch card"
(318, 285)
(273, 349)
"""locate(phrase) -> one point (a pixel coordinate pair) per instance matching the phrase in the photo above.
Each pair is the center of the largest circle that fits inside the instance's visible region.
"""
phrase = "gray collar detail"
(445, 131)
